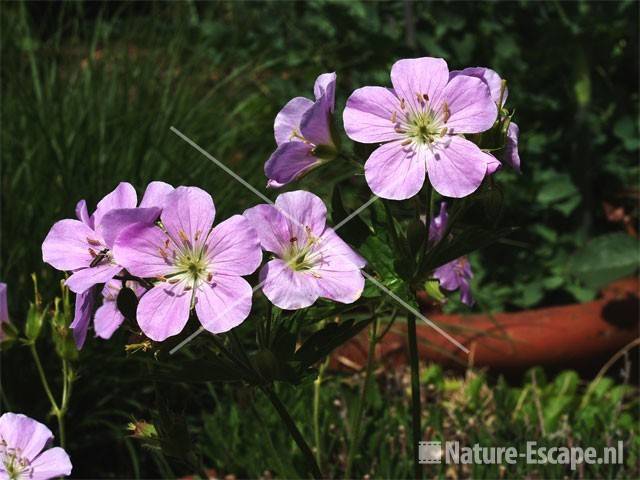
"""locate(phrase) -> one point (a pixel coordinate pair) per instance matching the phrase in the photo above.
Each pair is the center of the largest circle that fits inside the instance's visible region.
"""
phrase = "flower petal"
(123, 196)
(271, 226)
(340, 286)
(457, 168)
(304, 212)
(156, 194)
(107, 319)
(115, 221)
(511, 155)
(145, 251)
(315, 125)
(86, 278)
(337, 254)
(188, 215)
(82, 316)
(394, 171)
(223, 304)
(288, 119)
(164, 311)
(83, 213)
(233, 247)
(290, 161)
(325, 86)
(67, 245)
(488, 76)
(26, 434)
(493, 165)
(369, 113)
(419, 76)
(438, 224)
(288, 289)
(51, 463)
(470, 105)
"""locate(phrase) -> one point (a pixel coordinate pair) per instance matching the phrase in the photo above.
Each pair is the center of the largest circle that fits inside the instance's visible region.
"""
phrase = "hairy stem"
(415, 393)
(317, 385)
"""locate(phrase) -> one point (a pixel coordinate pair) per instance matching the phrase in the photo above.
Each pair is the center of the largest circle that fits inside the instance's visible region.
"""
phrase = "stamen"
(406, 142)
(446, 112)
(183, 236)
(426, 97)
(209, 277)
(400, 130)
(402, 103)
(95, 243)
(394, 116)
(93, 253)
(293, 239)
(173, 281)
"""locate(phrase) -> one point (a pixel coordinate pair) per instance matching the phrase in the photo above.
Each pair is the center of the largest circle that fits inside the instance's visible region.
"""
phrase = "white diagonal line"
(356, 212)
(286, 214)
(415, 312)
(221, 165)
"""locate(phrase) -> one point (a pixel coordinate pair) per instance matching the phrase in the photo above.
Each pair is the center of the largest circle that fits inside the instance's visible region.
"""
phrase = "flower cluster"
(22, 441)
(168, 252)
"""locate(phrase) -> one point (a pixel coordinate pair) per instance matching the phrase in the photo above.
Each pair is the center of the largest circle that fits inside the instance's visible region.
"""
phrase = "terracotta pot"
(562, 336)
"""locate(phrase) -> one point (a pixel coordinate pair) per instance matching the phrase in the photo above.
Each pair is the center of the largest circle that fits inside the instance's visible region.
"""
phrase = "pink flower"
(421, 122)
(303, 134)
(22, 440)
(494, 82)
(457, 273)
(83, 246)
(192, 265)
(311, 261)
(108, 318)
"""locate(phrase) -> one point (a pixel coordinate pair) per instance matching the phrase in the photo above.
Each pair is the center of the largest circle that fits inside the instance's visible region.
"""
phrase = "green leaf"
(324, 341)
(556, 189)
(355, 231)
(605, 259)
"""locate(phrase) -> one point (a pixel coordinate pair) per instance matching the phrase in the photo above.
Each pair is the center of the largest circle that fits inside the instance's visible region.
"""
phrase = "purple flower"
(83, 246)
(494, 82)
(22, 440)
(457, 273)
(303, 134)
(4, 308)
(194, 266)
(311, 261)
(420, 123)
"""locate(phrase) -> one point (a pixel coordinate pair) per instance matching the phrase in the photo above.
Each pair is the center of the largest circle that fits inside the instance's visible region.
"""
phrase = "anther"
(95, 243)
(394, 116)
(446, 112)
(406, 142)
(402, 103)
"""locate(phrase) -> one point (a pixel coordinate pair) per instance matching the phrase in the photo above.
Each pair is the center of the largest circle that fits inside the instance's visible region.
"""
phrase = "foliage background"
(89, 91)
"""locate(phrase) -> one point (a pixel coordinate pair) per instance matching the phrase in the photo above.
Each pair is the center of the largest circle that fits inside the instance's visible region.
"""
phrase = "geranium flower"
(420, 123)
(83, 246)
(457, 273)
(193, 265)
(311, 261)
(22, 440)
(303, 134)
(494, 82)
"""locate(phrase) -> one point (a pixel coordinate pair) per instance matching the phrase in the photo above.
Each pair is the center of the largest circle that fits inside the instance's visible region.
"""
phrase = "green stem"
(57, 411)
(317, 385)
(293, 430)
(355, 430)
(415, 393)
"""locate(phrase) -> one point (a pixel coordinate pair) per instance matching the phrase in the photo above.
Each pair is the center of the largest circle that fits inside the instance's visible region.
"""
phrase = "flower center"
(193, 264)
(14, 465)
(300, 258)
(424, 127)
